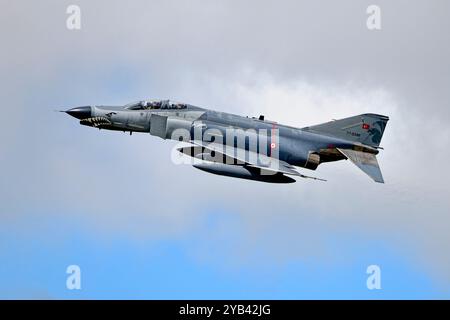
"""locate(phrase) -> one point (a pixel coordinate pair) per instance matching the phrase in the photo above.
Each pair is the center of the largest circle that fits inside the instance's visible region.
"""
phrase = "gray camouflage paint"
(301, 147)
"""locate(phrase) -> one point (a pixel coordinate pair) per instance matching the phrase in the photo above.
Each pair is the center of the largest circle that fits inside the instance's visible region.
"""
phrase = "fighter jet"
(246, 147)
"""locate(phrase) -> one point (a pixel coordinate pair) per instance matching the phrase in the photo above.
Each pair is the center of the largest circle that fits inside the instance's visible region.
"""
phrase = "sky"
(141, 227)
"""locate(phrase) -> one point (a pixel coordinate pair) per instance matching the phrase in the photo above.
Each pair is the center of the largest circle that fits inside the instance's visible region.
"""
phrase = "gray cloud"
(299, 63)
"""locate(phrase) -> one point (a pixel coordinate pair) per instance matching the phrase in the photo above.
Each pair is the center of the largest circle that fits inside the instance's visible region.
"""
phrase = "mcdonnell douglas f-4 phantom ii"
(243, 147)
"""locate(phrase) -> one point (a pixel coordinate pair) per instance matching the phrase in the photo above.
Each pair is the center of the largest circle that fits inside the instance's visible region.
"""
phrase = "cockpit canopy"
(155, 104)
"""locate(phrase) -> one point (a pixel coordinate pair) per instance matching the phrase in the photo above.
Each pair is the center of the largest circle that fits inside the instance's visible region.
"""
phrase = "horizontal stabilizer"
(367, 162)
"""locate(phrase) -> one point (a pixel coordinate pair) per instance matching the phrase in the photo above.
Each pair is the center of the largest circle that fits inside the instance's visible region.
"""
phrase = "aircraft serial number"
(354, 134)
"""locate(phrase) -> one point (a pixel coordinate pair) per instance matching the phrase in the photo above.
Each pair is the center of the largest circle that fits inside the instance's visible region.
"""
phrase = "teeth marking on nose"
(95, 121)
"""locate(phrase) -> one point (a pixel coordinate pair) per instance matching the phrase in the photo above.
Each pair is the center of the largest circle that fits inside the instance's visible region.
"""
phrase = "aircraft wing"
(251, 159)
(367, 162)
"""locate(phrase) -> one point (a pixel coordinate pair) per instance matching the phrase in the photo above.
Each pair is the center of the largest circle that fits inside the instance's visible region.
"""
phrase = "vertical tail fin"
(366, 128)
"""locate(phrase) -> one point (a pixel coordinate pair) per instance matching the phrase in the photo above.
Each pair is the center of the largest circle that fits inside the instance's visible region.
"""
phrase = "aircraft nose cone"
(80, 112)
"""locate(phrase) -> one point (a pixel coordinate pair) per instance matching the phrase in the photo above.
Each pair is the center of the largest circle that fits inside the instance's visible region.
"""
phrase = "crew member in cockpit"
(143, 104)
